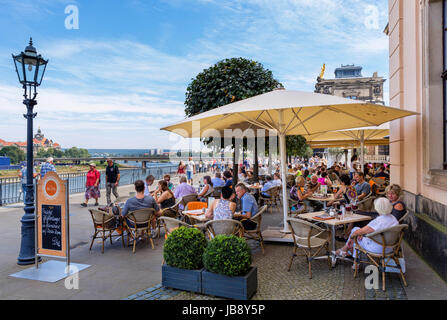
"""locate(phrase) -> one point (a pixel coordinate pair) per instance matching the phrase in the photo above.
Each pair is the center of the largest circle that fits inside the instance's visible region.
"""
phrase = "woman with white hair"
(385, 220)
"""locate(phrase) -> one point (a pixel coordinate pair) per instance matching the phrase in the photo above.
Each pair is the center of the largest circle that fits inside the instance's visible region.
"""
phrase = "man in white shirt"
(190, 170)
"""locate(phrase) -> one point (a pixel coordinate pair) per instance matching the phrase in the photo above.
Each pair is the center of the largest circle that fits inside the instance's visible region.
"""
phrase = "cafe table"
(324, 199)
(196, 215)
(332, 223)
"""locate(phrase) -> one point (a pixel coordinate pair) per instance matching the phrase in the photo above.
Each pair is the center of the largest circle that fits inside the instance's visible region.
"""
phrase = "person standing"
(112, 180)
(190, 170)
(47, 167)
(92, 185)
(22, 176)
(181, 168)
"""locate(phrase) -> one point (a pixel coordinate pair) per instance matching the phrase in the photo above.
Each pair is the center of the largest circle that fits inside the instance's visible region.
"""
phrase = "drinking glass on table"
(348, 209)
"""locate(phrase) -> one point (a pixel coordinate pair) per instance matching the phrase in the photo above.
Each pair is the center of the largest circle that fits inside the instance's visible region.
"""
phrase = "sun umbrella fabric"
(288, 112)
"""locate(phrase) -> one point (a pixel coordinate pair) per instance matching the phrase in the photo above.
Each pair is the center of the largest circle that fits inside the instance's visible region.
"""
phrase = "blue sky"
(123, 74)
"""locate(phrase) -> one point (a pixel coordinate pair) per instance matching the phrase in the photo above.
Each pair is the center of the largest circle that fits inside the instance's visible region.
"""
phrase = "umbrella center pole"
(282, 150)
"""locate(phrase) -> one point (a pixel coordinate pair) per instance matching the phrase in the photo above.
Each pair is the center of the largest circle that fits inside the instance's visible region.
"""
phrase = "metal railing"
(11, 188)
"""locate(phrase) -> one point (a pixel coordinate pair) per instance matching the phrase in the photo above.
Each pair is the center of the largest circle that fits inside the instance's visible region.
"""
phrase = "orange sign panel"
(52, 216)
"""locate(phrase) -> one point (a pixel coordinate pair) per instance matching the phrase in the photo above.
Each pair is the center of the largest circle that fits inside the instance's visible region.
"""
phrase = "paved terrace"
(120, 274)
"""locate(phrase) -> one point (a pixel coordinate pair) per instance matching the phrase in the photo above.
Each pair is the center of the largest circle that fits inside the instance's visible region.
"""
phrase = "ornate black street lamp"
(30, 68)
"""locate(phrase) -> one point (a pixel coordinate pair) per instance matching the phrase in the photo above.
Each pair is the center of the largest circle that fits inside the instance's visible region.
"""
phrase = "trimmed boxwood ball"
(184, 248)
(227, 255)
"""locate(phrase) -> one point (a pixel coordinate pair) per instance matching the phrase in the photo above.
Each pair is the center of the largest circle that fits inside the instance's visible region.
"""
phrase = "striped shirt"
(46, 167)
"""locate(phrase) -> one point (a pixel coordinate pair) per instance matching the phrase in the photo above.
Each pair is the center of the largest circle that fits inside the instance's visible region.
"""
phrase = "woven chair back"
(389, 237)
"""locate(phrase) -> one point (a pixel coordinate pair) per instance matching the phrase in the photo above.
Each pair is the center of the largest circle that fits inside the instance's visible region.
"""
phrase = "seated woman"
(297, 194)
(342, 195)
(383, 221)
(394, 194)
(222, 208)
(207, 189)
(324, 180)
(163, 196)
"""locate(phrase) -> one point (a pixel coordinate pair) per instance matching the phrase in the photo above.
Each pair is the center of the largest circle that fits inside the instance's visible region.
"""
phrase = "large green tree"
(227, 81)
(77, 153)
(14, 153)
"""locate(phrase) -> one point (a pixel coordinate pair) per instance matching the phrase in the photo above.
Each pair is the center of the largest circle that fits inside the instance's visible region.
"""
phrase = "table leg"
(333, 256)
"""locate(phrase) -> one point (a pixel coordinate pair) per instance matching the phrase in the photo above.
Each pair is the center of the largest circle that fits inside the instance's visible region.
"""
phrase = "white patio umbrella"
(351, 137)
(288, 112)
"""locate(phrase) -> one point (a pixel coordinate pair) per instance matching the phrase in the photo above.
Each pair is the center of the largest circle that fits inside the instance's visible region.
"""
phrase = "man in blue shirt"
(217, 181)
(22, 176)
(267, 185)
(228, 178)
(47, 167)
(249, 207)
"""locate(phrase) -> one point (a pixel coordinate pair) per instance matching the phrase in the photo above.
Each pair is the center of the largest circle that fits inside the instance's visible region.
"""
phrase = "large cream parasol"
(288, 112)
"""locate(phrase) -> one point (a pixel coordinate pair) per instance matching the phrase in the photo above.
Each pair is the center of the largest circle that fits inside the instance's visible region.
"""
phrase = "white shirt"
(190, 166)
(379, 223)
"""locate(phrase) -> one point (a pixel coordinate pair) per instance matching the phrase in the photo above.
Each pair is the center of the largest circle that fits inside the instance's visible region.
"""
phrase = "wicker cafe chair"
(390, 238)
(256, 234)
(188, 198)
(172, 212)
(170, 224)
(217, 192)
(224, 226)
(105, 225)
(270, 201)
(306, 236)
(290, 180)
(294, 203)
(367, 204)
(140, 226)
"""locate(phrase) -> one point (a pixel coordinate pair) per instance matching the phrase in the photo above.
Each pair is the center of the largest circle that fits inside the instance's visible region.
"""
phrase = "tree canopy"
(14, 153)
(227, 81)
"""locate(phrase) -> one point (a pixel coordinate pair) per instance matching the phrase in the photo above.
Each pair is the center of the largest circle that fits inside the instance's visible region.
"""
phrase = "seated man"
(217, 180)
(249, 208)
(268, 184)
(140, 201)
(148, 183)
(183, 189)
(362, 188)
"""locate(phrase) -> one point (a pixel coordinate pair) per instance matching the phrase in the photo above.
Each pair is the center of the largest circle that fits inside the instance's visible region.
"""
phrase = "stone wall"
(427, 232)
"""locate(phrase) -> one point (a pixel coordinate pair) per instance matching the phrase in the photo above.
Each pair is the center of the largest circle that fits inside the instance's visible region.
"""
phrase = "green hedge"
(184, 248)
(227, 255)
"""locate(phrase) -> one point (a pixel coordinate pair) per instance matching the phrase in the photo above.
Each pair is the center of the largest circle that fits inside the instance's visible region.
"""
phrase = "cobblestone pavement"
(276, 283)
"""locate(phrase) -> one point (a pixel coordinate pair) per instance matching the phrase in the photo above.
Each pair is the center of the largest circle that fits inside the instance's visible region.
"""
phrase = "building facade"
(39, 143)
(418, 148)
(350, 83)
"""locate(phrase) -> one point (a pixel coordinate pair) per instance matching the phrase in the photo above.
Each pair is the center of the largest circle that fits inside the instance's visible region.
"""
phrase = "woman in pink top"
(324, 180)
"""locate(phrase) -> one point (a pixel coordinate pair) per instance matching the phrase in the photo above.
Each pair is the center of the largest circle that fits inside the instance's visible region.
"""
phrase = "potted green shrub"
(182, 252)
(228, 272)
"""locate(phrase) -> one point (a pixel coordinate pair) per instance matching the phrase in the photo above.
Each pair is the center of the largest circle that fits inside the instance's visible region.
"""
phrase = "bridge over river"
(143, 160)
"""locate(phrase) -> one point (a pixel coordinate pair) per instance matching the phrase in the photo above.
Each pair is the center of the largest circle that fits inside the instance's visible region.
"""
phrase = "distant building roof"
(348, 71)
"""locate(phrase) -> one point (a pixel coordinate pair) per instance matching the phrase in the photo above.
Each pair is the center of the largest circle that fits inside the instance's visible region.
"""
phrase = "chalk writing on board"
(51, 227)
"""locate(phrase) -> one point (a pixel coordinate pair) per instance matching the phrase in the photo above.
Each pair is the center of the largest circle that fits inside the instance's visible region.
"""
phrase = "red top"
(92, 176)
(181, 169)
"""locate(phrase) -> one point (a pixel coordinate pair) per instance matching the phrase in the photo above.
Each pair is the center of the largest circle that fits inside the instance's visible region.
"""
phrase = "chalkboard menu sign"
(51, 227)
(52, 237)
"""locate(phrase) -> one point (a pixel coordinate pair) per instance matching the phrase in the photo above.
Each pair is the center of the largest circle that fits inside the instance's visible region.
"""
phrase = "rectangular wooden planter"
(239, 288)
(182, 279)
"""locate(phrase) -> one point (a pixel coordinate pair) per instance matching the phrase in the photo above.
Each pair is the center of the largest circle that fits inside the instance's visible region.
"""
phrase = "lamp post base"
(27, 253)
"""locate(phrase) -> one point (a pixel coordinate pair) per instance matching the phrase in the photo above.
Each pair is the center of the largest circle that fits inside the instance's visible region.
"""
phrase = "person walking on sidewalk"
(190, 170)
(92, 185)
(112, 180)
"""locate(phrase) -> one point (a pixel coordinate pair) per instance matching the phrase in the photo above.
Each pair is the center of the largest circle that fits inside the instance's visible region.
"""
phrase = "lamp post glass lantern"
(30, 68)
